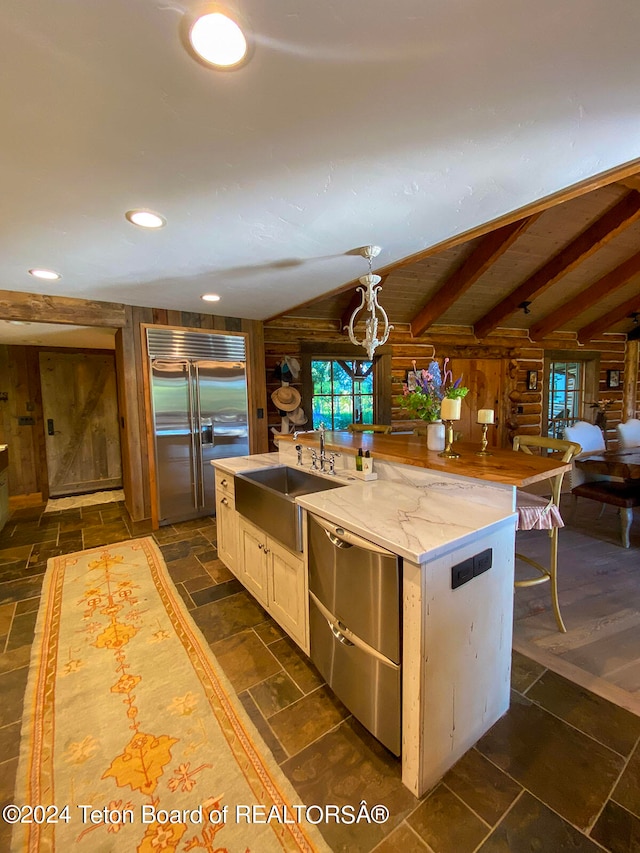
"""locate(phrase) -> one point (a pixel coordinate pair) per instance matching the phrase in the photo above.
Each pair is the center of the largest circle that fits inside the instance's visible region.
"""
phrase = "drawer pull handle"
(339, 636)
(335, 540)
(225, 502)
(223, 482)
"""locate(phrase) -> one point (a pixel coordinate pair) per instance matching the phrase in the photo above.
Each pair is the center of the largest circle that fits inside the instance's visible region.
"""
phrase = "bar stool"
(540, 513)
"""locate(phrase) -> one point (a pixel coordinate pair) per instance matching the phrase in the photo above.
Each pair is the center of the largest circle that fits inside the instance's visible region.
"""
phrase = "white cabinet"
(226, 521)
(252, 560)
(288, 591)
(277, 577)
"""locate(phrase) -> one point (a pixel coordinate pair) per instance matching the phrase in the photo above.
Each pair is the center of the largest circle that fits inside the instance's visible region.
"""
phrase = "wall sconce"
(370, 300)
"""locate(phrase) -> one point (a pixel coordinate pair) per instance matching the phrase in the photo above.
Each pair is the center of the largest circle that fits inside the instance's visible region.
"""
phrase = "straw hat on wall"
(286, 398)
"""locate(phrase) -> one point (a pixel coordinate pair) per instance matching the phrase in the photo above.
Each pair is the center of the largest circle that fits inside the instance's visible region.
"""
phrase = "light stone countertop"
(419, 523)
(238, 464)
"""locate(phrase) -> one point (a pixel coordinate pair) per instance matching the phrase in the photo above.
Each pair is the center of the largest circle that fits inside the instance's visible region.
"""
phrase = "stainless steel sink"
(267, 498)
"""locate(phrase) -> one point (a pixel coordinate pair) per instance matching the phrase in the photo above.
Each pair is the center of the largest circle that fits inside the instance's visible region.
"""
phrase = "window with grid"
(342, 392)
(566, 385)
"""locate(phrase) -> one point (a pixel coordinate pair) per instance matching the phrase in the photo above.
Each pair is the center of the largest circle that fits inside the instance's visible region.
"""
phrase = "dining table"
(623, 463)
(623, 467)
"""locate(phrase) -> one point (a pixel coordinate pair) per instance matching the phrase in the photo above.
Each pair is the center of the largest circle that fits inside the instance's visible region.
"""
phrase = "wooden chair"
(540, 513)
(590, 438)
(386, 428)
(629, 433)
(607, 490)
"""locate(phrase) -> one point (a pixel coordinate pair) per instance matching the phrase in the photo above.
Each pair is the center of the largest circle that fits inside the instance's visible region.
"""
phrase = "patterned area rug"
(130, 723)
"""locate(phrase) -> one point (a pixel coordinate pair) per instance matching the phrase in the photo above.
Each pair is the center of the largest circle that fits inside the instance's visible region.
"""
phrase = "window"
(342, 392)
(566, 395)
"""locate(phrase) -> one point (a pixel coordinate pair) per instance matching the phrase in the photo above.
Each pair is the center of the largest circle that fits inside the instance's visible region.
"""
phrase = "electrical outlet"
(461, 573)
(482, 562)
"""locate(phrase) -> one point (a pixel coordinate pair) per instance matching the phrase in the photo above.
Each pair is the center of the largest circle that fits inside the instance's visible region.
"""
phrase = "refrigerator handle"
(199, 434)
(192, 432)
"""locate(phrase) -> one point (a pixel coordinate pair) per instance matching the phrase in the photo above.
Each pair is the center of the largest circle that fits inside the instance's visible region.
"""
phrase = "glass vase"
(435, 435)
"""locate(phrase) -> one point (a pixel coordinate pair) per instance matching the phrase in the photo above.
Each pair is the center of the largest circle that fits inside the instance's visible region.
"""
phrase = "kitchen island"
(455, 534)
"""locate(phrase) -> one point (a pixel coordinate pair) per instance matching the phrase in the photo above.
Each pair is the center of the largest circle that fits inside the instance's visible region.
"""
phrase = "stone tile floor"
(560, 771)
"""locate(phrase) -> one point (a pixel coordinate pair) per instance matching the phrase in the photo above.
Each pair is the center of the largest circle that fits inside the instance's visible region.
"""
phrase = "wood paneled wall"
(20, 381)
(18, 369)
(521, 409)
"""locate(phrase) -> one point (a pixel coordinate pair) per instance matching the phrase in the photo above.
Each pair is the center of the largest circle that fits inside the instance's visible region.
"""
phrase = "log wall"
(521, 410)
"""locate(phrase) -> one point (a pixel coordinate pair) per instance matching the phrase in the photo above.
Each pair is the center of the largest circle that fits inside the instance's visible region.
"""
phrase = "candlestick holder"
(483, 451)
(448, 453)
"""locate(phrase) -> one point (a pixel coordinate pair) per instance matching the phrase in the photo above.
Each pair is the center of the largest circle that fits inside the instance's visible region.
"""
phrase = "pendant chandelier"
(370, 303)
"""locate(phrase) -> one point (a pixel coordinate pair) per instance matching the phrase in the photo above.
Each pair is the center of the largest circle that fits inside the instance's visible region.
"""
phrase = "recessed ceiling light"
(218, 40)
(210, 297)
(146, 218)
(49, 275)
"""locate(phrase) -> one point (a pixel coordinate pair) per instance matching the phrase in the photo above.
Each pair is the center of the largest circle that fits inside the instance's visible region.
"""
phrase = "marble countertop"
(238, 464)
(416, 522)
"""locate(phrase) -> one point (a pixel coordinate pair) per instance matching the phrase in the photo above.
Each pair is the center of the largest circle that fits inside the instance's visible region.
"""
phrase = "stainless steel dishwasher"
(355, 625)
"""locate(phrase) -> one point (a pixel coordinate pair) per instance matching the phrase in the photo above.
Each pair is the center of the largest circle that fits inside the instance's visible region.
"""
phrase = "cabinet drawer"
(224, 484)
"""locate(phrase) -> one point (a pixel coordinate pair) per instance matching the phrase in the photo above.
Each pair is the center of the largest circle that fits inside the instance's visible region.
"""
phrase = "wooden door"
(483, 378)
(80, 413)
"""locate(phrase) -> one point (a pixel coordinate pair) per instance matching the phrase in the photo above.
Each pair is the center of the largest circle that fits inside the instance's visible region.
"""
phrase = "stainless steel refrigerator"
(199, 400)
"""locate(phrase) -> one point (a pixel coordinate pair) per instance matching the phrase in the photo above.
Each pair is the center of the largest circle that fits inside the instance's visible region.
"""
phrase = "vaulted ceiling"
(573, 267)
(401, 124)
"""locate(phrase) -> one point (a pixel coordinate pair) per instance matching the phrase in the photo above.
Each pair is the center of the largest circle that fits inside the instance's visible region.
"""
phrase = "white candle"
(450, 409)
(485, 416)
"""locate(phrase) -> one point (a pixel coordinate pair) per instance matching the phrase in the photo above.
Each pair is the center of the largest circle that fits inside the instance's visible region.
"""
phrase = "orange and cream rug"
(132, 738)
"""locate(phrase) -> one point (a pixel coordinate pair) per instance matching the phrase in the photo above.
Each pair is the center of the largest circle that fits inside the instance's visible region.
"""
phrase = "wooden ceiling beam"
(590, 296)
(592, 330)
(483, 256)
(632, 182)
(615, 220)
(354, 303)
(604, 179)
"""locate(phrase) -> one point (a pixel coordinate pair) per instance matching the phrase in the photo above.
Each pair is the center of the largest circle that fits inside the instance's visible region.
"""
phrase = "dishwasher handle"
(341, 538)
(346, 637)
(340, 637)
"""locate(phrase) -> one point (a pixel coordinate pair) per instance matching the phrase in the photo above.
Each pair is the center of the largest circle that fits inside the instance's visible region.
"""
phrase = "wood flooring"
(599, 591)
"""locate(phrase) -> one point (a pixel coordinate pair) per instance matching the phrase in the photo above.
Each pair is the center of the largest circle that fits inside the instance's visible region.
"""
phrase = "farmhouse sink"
(267, 498)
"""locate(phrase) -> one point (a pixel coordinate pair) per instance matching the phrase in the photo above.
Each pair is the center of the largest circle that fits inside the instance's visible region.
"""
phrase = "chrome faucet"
(316, 457)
